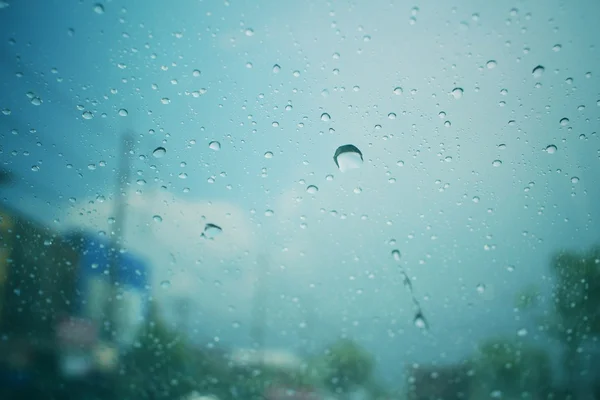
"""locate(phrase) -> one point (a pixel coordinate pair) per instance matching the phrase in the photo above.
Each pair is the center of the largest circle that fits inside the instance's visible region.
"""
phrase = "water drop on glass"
(420, 321)
(157, 218)
(276, 68)
(165, 284)
(348, 157)
(325, 117)
(211, 231)
(87, 115)
(312, 189)
(196, 73)
(491, 64)
(396, 254)
(564, 121)
(551, 149)
(268, 154)
(574, 179)
(480, 288)
(123, 112)
(398, 91)
(556, 47)
(457, 93)
(249, 32)
(159, 152)
(269, 213)
(98, 8)
(497, 163)
(214, 145)
(538, 71)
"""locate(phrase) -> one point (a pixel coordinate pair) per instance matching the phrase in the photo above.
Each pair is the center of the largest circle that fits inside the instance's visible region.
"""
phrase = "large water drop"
(348, 157)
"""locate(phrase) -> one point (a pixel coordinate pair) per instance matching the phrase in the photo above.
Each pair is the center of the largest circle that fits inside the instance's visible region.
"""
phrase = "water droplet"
(497, 163)
(358, 190)
(457, 93)
(574, 179)
(522, 332)
(420, 321)
(480, 288)
(276, 68)
(269, 213)
(551, 149)
(538, 71)
(87, 115)
(36, 101)
(165, 100)
(348, 157)
(35, 168)
(396, 254)
(476, 199)
(556, 47)
(502, 146)
(157, 218)
(268, 154)
(249, 32)
(159, 152)
(98, 8)
(196, 73)
(296, 74)
(211, 231)
(165, 284)
(398, 91)
(564, 121)
(123, 112)
(510, 268)
(392, 115)
(214, 145)
(329, 177)
(491, 64)
(325, 117)
(312, 189)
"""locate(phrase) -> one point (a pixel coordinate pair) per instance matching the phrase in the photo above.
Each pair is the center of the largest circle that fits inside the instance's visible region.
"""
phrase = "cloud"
(205, 271)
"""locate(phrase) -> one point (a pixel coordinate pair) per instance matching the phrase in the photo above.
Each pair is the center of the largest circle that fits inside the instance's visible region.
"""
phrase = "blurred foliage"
(511, 367)
(528, 298)
(346, 365)
(164, 366)
(577, 295)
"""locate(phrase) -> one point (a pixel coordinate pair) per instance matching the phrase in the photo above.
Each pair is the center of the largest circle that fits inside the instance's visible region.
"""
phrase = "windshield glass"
(274, 199)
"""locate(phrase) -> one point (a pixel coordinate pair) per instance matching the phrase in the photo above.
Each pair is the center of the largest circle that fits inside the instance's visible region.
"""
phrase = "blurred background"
(299, 200)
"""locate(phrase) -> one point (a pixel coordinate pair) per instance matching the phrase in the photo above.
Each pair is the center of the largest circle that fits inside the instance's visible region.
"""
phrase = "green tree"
(511, 367)
(164, 365)
(576, 296)
(347, 365)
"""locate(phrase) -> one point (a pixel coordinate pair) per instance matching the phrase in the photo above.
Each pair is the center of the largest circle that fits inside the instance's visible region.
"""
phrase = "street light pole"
(118, 231)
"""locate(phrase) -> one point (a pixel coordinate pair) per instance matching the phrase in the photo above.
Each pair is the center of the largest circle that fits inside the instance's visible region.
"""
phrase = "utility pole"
(118, 231)
(259, 312)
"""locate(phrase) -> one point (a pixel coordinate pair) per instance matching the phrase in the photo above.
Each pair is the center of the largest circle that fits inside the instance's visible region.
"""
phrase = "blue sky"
(457, 219)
